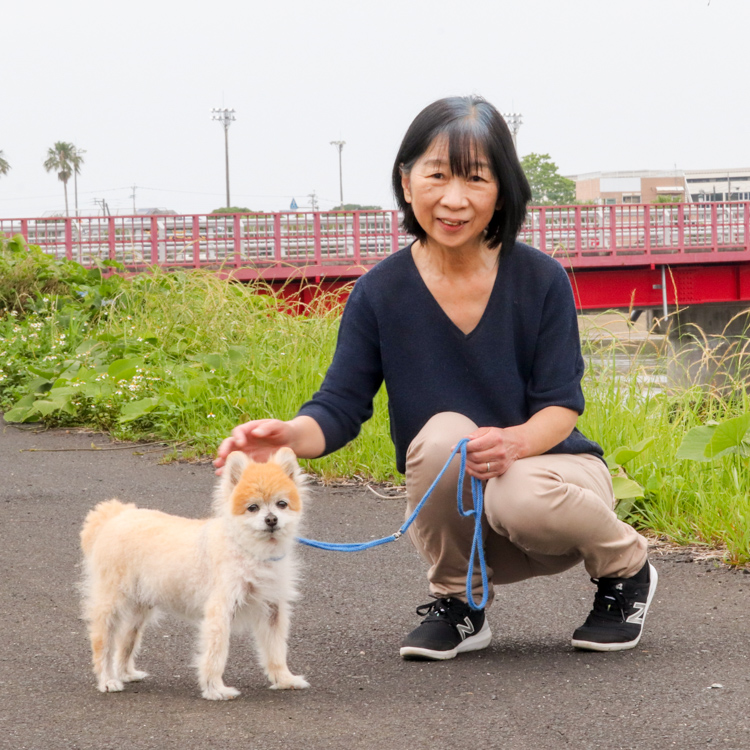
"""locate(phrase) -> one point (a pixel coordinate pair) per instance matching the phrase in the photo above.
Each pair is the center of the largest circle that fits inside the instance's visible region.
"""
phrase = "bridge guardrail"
(283, 243)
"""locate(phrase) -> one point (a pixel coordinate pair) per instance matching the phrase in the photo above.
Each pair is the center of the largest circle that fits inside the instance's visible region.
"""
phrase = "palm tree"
(63, 159)
(4, 166)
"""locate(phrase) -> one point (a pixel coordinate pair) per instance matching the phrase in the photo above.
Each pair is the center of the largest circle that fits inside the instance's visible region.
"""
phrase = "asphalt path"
(686, 686)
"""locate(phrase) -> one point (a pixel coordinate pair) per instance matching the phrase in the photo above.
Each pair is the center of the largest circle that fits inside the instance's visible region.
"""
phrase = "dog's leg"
(130, 643)
(214, 650)
(104, 625)
(271, 633)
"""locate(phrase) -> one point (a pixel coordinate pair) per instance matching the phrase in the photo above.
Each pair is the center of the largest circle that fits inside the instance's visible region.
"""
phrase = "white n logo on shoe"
(467, 629)
(638, 616)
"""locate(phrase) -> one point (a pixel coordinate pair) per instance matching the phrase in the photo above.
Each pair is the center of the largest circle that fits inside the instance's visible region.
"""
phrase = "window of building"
(631, 199)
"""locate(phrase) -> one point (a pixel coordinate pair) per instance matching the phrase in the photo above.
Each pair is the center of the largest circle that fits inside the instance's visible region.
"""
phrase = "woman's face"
(453, 210)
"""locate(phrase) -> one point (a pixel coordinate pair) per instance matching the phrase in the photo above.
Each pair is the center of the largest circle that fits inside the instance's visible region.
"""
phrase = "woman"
(475, 335)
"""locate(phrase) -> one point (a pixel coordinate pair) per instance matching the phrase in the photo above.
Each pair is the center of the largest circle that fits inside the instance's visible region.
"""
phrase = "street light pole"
(226, 118)
(514, 121)
(76, 153)
(340, 146)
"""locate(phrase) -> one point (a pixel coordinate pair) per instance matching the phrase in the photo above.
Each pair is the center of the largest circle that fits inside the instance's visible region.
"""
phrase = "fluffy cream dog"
(234, 571)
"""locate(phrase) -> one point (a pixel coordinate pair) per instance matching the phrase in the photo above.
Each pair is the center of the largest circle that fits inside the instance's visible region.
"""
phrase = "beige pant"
(543, 516)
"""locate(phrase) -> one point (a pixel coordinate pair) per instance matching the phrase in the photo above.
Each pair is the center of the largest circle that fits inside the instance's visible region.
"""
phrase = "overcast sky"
(602, 85)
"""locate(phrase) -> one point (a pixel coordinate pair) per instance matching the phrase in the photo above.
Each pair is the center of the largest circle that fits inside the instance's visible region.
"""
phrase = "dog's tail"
(96, 518)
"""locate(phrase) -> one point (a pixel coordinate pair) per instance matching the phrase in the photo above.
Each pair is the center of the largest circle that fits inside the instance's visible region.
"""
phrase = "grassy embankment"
(184, 357)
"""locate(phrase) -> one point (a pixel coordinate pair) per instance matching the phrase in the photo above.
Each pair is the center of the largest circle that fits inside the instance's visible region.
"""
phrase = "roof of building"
(656, 173)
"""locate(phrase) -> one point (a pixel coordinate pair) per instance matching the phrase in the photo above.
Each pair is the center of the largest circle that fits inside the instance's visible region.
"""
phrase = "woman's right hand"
(261, 438)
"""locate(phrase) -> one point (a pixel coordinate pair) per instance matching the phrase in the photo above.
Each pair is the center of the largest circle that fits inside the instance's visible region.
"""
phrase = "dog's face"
(264, 500)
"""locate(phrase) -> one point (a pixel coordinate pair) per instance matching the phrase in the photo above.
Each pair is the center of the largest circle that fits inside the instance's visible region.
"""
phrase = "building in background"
(719, 184)
(697, 185)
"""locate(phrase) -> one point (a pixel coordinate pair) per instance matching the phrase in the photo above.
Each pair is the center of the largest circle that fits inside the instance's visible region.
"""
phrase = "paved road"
(528, 691)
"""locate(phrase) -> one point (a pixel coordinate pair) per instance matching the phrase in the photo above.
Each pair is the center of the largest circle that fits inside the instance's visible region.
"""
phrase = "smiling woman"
(475, 336)
(470, 140)
(452, 209)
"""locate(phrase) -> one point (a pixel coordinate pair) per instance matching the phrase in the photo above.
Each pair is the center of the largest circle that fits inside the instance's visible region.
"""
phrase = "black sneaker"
(620, 606)
(450, 628)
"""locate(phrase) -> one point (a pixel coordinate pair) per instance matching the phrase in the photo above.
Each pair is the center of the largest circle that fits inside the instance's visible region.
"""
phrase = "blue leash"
(477, 548)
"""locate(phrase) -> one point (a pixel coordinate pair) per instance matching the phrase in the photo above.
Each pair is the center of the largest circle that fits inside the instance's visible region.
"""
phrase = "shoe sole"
(472, 643)
(623, 646)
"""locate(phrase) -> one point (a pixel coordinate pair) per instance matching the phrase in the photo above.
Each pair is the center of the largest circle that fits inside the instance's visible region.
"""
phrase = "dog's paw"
(111, 686)
(136, 675)
(220, 693)
(292, 682)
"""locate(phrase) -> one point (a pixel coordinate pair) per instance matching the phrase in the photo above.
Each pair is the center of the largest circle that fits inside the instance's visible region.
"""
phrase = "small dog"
(232, 572)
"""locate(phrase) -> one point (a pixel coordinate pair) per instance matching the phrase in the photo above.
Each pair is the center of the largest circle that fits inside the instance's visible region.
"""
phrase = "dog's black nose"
(271, 520)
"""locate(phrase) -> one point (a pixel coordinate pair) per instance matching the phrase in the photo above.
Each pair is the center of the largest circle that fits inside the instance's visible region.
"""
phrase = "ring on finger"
(488, 467)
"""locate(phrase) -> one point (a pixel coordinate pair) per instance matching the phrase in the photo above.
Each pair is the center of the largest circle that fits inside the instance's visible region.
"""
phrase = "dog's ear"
(237, 462)
(286, 458)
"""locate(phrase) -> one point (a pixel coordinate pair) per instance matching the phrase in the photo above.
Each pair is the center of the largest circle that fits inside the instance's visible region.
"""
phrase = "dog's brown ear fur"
(236, 463)
(286, 458)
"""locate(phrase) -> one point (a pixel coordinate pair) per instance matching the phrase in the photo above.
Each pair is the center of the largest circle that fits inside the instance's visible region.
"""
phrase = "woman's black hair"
(473, 126)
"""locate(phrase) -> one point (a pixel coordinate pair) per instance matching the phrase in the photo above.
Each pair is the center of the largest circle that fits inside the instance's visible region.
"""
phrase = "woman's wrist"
(546, 429)
(306, 438)
(517, 442)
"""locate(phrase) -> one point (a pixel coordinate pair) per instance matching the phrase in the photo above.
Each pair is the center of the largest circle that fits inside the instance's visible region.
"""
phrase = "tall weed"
(636, 390)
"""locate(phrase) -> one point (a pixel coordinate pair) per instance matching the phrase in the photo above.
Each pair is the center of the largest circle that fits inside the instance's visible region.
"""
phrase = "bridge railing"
(264, 241)
(276, 245)
(639, 234)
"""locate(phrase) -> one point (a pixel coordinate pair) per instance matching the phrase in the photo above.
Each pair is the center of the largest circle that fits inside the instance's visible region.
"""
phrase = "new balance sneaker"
(450, 627)
(620, 606)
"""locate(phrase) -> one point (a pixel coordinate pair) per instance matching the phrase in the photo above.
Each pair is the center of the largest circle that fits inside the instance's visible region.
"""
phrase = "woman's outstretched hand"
(261, 438)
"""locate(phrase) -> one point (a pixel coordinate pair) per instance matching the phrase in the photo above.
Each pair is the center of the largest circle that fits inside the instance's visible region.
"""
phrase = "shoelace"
(604, 598)
(437, 608)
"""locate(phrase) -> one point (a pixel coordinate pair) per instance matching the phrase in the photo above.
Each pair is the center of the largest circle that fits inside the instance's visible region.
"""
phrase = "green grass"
(186, 356)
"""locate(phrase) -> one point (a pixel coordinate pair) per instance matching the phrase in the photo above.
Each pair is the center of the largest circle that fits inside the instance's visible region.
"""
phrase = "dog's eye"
(254, 508)
(281, 503)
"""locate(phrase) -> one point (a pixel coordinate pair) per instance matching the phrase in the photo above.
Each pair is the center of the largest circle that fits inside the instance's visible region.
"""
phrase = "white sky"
(601, 84)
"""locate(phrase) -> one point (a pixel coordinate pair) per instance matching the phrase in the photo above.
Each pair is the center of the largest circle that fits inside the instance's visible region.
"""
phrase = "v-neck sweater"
(523, 355)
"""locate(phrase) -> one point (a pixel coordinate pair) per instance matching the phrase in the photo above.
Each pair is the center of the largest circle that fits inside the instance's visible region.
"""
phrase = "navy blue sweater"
(523, 355)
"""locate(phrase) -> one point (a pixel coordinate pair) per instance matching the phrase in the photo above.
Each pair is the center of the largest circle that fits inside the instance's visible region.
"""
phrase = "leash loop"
(477, 543)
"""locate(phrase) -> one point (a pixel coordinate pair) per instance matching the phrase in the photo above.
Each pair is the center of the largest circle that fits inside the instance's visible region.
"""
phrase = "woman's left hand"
(491, 451)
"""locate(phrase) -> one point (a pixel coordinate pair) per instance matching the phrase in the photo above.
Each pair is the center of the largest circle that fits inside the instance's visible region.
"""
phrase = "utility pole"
(340, 146)
(226, 118)
(104, 205)
(514, 122)
(133, 197)
(313, 201)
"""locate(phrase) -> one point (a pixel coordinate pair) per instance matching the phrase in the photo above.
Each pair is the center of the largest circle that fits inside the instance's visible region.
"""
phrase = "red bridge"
(640, 256)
